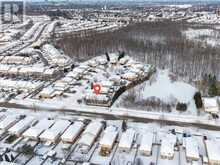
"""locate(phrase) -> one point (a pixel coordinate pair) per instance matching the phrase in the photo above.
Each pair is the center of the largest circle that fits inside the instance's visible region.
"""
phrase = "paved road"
(118, 113)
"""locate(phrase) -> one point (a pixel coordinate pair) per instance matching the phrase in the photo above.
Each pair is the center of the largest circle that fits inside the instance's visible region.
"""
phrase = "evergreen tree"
(121, 55)
(107, 56)
(198, 100)
(7, 158)
(213, 90)
(12, 158)
(124, 125)
(1, 159)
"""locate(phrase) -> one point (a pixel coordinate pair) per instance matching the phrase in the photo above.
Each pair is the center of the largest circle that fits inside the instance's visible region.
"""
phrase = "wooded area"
(158, 43)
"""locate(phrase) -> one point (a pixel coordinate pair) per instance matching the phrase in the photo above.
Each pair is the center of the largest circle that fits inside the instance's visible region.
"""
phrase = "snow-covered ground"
(209, 36)
(162, 87)
(205, 18)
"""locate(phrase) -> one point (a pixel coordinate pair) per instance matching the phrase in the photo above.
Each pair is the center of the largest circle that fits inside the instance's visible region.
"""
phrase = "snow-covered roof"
(106, 83)
(130, 75)
(102, 61)
(213, 150)
(135, 70)
(127, 139)
(31, 31)
(92, 96)
(47, 92)
(32, 70)
(93, 128)
(54, 56)
(211, 105)
(167, 145)
(13, 70)
(50, 71)
(138, 66)
(115, 78)
(79, 70)
(53, 132)
(72, 132)
(124, 60)
(22, 125)
(104, 90)
(72, 74)
(67, 79)
(210, 102)
(146, 142)
(51, 51)
(113, 59)
(4, 68)
(87, 139)
(36, 130)
(23, 85)
(8, 163)
(17, 60)
(90, 133)
(109, 136)
(7, 121)
(92, 63)
(60, 85)
(192, 148)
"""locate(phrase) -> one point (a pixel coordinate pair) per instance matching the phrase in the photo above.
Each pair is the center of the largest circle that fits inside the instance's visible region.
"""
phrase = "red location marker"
(97, 88)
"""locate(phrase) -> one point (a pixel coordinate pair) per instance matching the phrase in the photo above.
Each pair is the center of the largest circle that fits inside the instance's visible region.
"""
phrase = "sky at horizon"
(132, 0)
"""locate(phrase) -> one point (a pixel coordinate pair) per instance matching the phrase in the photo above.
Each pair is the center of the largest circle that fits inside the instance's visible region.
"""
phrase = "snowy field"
(162, 87)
